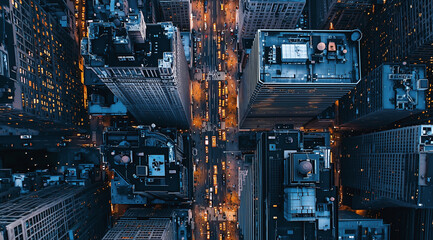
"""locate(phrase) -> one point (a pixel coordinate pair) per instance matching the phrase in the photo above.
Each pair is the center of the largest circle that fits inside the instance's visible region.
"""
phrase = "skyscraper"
(409, 223)
(149, 166)
(387, 94)
(144, 65)
(388, 168)
(151, 223)
(289, 191)
(40, 78)
(56, 212)
(294, 75)
(399, 31)
(178, 12)
(339, 14)
(259, 14)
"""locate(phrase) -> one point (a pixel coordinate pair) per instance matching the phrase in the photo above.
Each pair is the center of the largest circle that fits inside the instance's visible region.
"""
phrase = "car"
(27, 144)
(206, 140)
(215, 180)
(194, 151)
(26, 137)
(214, 144)
(207, 149)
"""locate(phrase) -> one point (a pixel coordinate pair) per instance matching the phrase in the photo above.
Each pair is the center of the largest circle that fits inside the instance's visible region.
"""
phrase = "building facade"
(292, 76)
(149, 167)
(388, 168)
(399, 31)
(178, 12)
(387, 94)
(409, 223)
(56, 212)
(289, 192)
(40, 79)
(144, 66)
(339, 14)
(259, 14)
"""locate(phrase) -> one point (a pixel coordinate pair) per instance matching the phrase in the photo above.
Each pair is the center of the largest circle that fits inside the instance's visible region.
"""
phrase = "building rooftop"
(151, 223)
(146, 163)
(309, 56)
(128, 43)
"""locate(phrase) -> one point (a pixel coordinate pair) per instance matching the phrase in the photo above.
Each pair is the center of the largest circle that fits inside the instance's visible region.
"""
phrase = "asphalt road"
(216, 202)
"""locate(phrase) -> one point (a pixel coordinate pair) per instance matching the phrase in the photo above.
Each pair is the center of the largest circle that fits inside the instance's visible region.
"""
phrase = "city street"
(214, 95)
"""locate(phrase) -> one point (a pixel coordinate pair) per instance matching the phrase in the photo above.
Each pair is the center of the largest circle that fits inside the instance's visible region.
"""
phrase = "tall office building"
(356, 227)
(40, 79)
(276, 14)
(151, 223)
(289, 191)
(149, 166)
(389, 168)
(409, 223)
(144, 65)
(387, 94)
(56, 212)
(399, 31)
(339, 14)
(178, 12)
(294, 75)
